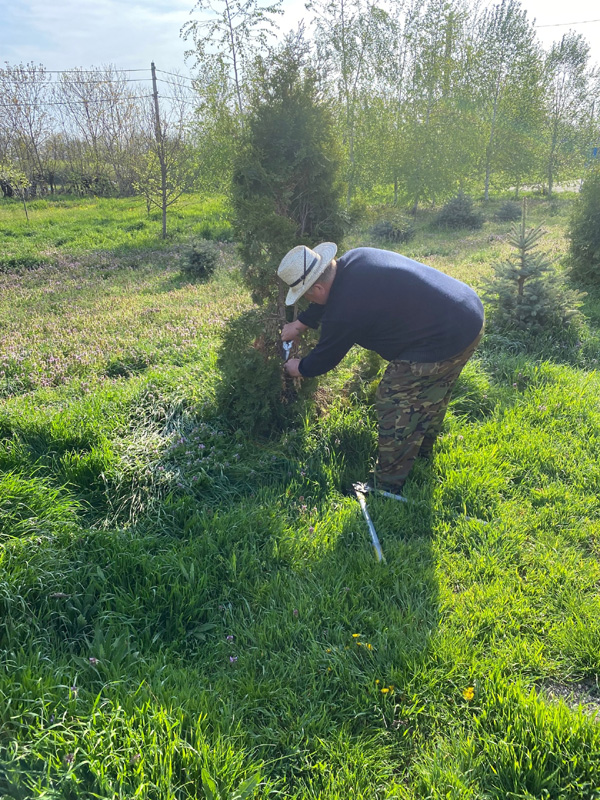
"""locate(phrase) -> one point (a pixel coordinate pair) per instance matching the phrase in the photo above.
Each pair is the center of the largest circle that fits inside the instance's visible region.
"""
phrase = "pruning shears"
(287, 349)
(360, 489)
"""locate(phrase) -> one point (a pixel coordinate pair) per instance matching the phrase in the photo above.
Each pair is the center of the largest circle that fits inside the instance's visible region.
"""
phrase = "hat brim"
(325, 253)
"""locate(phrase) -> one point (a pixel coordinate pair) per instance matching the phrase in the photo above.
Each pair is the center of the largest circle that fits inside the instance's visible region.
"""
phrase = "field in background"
(188, 613)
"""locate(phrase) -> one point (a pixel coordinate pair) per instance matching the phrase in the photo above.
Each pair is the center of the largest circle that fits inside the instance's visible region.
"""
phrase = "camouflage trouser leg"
(411, 402)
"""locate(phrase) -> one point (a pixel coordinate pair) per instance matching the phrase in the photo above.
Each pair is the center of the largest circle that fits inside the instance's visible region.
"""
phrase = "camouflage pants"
(411, 403)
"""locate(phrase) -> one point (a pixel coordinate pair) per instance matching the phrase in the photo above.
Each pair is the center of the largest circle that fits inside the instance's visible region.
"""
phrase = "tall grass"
(186, 612)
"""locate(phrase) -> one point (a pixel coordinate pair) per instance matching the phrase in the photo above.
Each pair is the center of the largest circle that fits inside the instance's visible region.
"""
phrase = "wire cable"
(78, 102)
(164, 72)
(88, 71)
(564, 24)
(172, 83)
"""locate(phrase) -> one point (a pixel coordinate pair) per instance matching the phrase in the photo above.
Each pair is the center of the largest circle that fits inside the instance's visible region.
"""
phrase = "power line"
(76, 102)
(171, 83)
(89, 82)
(564, 24)
(108, 81)
(86, 71)
(114, 80)
(178, 100)
(174, 74)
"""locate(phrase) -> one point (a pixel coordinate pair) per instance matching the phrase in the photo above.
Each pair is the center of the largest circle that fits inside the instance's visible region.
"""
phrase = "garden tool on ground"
(365, 488)
(361, 490)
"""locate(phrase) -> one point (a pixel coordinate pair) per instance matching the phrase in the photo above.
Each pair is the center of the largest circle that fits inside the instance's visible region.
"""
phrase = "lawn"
(190, 612)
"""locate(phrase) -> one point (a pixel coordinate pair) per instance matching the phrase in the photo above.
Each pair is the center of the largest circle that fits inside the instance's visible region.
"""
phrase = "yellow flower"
(385, 690)
(368, 646)
(377, 681)
(328, 650)
(469, 693)
(359, 644)
(356, 635)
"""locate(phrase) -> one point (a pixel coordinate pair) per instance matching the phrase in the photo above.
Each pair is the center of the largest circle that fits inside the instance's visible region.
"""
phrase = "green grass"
(108, 232)
(186, 612)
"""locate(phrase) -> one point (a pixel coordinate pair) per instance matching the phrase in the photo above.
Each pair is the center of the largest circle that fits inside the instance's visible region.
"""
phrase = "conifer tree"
(584, 231)
(286, 186)
(286, 192)
(525, 291)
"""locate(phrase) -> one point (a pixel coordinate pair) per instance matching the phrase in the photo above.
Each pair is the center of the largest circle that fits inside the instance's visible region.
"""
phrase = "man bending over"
(425, 323)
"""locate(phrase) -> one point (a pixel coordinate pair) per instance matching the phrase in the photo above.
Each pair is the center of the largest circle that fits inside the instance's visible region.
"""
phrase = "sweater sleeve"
(311, 315)
(336, 339)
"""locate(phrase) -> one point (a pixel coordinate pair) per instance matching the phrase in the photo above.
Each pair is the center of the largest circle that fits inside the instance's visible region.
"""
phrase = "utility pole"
(161, 152)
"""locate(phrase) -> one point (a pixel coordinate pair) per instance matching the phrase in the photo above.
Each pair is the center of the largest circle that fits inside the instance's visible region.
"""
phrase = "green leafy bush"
(584, 231)
(509, 211)
(459, 213)
(200, 259)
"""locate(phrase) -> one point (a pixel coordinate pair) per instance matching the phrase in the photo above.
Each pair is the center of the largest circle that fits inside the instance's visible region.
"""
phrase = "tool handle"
(374, 538)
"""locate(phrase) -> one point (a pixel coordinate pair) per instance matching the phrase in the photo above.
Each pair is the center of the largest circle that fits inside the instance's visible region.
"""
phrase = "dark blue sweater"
(393, 305)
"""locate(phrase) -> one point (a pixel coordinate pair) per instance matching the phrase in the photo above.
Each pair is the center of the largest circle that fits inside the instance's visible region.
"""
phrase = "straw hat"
(301, 267)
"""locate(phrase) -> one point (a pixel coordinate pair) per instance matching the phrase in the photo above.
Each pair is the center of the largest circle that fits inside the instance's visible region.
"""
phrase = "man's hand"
(291, 367)
(292, 330)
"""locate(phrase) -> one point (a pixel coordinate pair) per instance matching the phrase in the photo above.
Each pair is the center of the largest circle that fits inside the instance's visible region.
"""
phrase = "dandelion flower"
(385, 690)
(469, 693)
(356, 635)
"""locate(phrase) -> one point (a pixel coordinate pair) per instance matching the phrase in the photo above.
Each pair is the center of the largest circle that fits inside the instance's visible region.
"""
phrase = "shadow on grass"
(263, 591)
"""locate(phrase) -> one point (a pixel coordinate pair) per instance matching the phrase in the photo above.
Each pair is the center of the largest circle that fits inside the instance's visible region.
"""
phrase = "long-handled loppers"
(361, 490)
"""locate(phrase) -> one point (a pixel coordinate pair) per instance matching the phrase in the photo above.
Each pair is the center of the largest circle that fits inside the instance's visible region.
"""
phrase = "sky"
(63, 34)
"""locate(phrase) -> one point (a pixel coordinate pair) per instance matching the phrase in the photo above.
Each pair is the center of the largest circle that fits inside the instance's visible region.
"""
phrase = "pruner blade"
(287, 349)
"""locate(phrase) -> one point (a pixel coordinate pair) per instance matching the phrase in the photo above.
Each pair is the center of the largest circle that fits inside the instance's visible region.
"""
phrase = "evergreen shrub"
(509, 211)
(201, 258)
(286, 192)
(254, 395)
(286, 182)
(584, 231)
(393, 228)
(526, 292)
(459, 213)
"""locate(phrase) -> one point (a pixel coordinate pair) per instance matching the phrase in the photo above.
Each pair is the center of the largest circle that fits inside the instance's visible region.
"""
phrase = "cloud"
(70, 33)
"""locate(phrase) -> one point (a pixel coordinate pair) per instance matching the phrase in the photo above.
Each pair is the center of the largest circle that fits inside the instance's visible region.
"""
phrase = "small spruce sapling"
(525, 291)
(459, 212)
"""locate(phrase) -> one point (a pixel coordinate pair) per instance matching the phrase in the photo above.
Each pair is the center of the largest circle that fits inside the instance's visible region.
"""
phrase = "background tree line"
(90, 131)
(429, 98)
